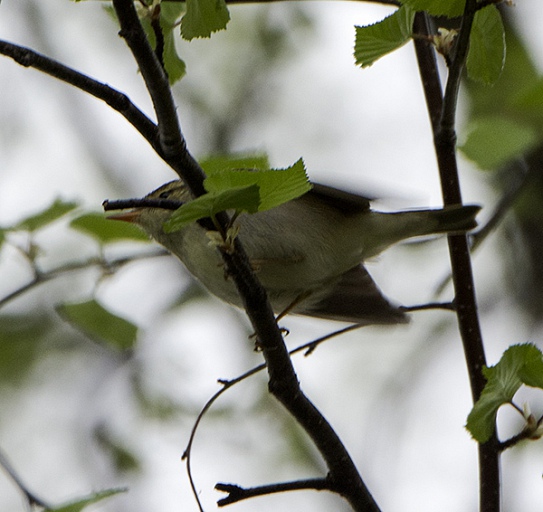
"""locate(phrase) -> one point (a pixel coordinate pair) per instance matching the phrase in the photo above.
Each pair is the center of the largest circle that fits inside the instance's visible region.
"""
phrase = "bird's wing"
(346, 202)
(356, 298)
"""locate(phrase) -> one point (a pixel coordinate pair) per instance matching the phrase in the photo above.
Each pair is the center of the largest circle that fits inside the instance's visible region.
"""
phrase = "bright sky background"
(398, 397)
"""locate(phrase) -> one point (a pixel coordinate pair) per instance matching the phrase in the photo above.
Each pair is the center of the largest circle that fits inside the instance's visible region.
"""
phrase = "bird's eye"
(165, 194)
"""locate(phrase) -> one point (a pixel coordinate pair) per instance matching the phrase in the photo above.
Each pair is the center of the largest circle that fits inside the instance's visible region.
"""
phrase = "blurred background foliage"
(108, 349)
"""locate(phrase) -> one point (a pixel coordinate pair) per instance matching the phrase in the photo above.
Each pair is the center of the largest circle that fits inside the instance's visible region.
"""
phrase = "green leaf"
(449, 8)
(519, 75)
(21, 344)
(216, 164)
(246, 198)
(374, 41)
(530, 99)
(170, 12)
(531, 373)
(203, 17)
(99, 323)
(494, 141)
(105, 231)
(486, 56)
(80, 504)
(503, 381)
(174, 65)
(50, 214)
(123, 459)
(242, 190)
(277, 186)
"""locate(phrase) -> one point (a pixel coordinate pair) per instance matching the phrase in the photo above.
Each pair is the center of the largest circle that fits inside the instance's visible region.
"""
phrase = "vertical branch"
(442, 112)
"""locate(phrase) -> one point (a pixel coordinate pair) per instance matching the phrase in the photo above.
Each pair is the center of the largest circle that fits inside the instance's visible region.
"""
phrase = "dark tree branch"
(283, 382)
(172, 143)
(237, 493)
(168, 142)
(308, 348)
(159, 36)
(442, 112)
(115, 99)
(284, 385)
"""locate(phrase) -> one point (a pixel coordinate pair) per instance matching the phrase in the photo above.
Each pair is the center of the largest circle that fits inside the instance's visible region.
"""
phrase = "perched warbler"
(307, 253)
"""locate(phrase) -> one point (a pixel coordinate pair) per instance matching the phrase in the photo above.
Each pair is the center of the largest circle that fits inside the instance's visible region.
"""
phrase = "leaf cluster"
(519, 365)
(487, 43)
(235, 184)
(88, 316)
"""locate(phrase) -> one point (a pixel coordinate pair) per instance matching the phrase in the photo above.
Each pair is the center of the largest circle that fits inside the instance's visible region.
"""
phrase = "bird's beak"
(130, 216)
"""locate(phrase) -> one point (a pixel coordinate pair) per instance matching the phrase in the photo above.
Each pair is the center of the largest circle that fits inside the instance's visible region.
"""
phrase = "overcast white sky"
(400, 409)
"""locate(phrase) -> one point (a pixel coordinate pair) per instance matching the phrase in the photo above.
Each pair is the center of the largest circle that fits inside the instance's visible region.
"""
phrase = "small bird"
(307, 253)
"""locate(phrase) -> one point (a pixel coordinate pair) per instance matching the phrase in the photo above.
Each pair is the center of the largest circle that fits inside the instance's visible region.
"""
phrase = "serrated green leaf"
(105, 231)
(99, 323)
(78, 505)
(519, 75)
(494, 141)
(277, 186)
(449, 8)
(245, 198)
(503, 381)
(216, 164)
(531, 373)
(170, 13)
(173, 64)
(203, 17)
(50, 214)
(374, 41)
(486, 56)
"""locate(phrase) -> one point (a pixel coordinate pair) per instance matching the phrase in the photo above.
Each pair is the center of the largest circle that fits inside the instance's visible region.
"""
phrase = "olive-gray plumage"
(307, 253)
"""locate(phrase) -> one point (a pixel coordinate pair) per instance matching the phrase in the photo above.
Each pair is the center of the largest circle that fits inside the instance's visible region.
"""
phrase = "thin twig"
(121, 204)
(511, 194)
(42, 277)
(237, 493)
(29, 495)
(227, 384)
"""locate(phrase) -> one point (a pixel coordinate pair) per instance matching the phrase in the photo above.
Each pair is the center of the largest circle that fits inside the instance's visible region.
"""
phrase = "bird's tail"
(451, 219)
(391, 228)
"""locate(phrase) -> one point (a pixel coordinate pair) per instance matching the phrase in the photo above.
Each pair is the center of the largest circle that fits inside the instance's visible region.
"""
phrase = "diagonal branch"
(172, 142)
(115, 99)
(283, 382)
